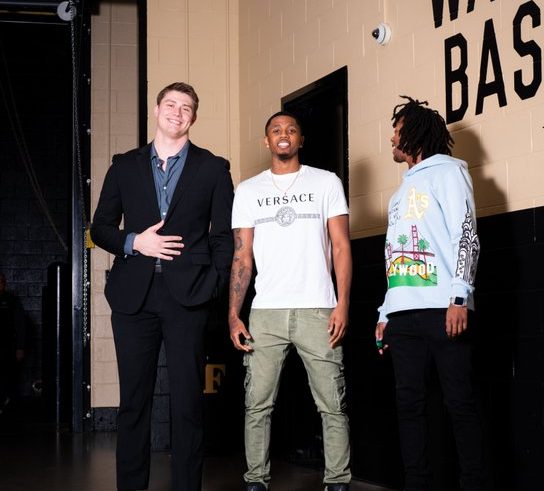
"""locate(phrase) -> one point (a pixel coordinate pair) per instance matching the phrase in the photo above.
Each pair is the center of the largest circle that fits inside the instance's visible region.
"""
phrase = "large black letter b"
(458, 75)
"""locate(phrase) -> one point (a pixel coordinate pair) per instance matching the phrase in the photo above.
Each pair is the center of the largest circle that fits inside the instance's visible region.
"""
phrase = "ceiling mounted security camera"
(382, 34)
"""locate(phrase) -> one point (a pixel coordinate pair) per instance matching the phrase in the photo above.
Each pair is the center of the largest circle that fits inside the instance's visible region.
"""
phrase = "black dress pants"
(137, 343)
(416, 337)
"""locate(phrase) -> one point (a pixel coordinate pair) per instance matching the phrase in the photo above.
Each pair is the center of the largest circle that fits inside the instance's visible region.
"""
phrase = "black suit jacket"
(200, 212)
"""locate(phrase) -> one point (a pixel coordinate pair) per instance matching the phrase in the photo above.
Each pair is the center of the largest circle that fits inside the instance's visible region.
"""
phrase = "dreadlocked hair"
(423, 130)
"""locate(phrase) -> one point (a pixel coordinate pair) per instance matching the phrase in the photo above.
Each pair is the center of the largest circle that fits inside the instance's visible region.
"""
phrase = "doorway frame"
(333, 83)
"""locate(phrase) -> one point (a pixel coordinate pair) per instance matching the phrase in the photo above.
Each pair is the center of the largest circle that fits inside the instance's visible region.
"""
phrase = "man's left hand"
(338, 322)
(456, 320)
(20, 355)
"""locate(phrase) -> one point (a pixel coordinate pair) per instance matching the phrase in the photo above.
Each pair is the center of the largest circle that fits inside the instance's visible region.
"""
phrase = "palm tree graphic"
(402, 240)
(423, 245)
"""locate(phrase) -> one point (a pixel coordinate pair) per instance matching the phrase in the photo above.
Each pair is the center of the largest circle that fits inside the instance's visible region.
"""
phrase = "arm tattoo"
(240, 276)
(238, 242)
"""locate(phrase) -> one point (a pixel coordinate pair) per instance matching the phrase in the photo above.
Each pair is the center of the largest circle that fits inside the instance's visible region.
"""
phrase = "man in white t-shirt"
(292, 220)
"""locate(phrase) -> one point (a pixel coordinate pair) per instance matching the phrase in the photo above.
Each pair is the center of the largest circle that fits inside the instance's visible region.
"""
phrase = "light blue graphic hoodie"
(431, 247)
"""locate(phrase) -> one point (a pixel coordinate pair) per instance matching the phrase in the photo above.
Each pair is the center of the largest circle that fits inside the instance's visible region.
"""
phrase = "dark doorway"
(323, 113)
(322, 108)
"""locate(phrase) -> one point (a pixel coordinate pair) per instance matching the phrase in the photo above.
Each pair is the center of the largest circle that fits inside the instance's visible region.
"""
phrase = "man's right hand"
(380, 328)
(237, 331)
(150, 243)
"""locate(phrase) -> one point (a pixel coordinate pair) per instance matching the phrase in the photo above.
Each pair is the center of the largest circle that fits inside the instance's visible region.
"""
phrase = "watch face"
(459, 301)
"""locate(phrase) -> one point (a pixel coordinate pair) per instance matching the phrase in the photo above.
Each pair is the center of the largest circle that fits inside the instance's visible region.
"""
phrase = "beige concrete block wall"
(286, 44)
(188, 40)
(114, 126)
(196, 41)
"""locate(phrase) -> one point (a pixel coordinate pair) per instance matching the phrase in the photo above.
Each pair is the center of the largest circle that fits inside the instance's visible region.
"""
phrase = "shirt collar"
(182, 154)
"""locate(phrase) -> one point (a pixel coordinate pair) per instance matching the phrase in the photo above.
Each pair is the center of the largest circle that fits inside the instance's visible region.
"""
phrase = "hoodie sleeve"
(456, 196)
(382, 309)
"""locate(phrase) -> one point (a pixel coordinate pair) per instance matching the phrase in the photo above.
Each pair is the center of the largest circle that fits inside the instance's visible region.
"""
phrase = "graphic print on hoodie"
(431, 237)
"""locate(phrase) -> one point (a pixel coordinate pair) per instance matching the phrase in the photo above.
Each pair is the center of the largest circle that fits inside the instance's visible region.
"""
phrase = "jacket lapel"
(189, 172)
(143, 161)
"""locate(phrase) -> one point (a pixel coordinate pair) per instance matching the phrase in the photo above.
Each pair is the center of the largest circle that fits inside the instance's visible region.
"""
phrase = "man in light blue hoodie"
(431, 254)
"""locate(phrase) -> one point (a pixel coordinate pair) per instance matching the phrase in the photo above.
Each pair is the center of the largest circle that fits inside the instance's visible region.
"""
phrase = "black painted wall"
(510, 350)
(508, 356)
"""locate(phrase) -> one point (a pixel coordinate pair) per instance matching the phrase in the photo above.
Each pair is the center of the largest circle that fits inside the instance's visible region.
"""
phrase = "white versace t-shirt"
(291, 246)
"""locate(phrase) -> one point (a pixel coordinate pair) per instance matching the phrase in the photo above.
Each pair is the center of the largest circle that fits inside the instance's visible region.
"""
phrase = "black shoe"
(255, 486)
(342, 486)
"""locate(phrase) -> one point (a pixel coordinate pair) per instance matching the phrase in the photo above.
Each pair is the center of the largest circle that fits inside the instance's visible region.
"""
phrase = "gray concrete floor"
(35, 457)
(49, 461)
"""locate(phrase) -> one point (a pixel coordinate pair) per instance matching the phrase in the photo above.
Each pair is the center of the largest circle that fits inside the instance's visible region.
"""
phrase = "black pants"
(415, 338)
(137, 342)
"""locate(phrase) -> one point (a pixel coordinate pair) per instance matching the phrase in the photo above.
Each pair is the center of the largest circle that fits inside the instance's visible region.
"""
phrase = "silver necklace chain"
(284, 191)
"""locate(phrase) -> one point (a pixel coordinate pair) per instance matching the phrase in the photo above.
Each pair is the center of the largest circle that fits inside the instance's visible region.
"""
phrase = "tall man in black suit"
(172, 256)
